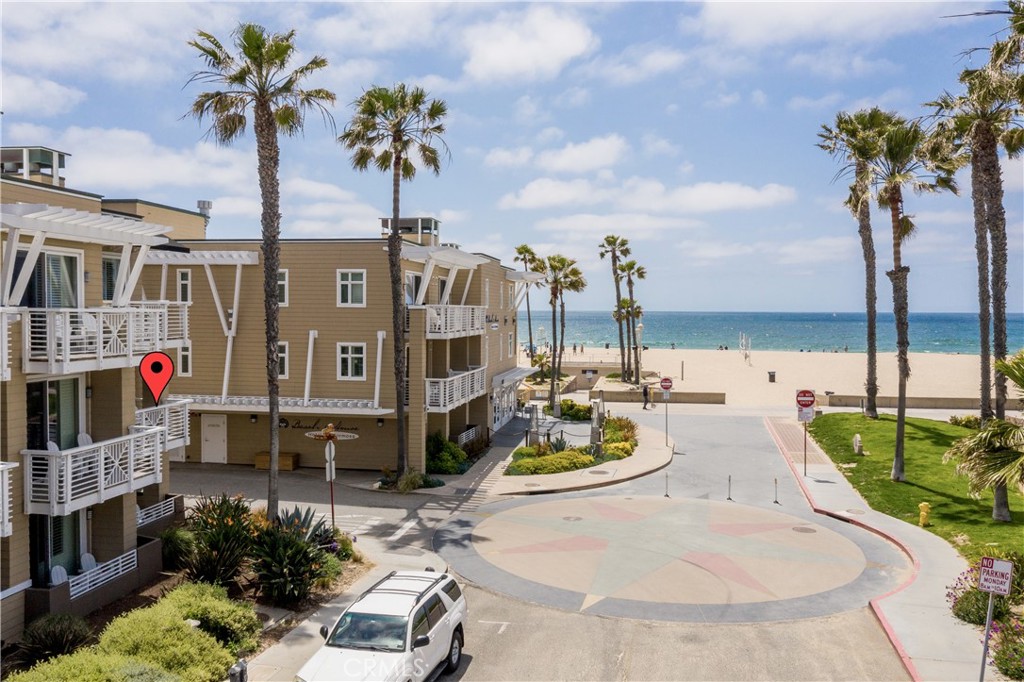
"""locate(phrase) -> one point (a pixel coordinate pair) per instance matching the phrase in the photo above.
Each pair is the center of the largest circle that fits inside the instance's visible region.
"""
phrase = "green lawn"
(956, 516)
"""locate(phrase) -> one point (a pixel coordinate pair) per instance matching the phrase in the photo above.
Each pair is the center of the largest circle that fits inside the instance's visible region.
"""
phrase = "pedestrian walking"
(574, 349)
(647, 395)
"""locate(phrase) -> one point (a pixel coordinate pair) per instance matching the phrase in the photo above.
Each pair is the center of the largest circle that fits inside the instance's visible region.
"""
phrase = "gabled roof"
(81, 226)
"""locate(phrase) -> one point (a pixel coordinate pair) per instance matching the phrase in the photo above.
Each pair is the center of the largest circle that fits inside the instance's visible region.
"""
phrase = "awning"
(81, 226)
(513, 376)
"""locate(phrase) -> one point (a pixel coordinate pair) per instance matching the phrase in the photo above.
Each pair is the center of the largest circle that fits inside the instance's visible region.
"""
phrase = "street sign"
(666, 383)
(995, 575)
(329, 458)
(343, 435)
(805, 398)
(805, 414)
(666, 395)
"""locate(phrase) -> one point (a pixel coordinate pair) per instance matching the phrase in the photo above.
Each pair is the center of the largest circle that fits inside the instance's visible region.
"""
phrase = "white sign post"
(666, 387)
(329, 435)
(995, 577)
(805, 413)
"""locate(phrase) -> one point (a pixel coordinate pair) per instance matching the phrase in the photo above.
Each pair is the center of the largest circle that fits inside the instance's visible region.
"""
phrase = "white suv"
(399, 630)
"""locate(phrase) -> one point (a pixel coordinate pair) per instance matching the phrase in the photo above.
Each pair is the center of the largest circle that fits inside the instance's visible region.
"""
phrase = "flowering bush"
(1007, 648)
(970, 604)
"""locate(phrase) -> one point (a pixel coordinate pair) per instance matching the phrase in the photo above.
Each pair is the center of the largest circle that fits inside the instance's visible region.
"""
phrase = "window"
(501, 296)
(435, 610)
(185, 361)
(282, 360)
(185, 286)
(511, 345)
(351, 361)
(442, 284)
(352, 288)
(487, 351)
(487, 293)
(55, 282)
(501, 352)
(511, 295)
(413, 282)
(282, 288)
(451, 588)
(110, 267)
(420, 624)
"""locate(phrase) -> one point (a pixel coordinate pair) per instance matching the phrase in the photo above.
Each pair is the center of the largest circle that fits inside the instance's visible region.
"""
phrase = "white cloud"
(450, 216)
(550, 134)
(314, 189)
(245, 207)
(638, 225)
(701, 251)
(382, 27)
(331, 219)
(598, 152)
(838, 64)
(800, 103)
(704, 197)
(635, 64)
(548, 192)
(723, 100)
(816, 250)
(508, 158)
(533, 45)
(757, 25)
(893, 98)
(528, 111)
(573, 97)
(672, 109)
(685, 168)
(658, 146)
(38, 97)
(1013, 175)
(758, 98)
(924, 218)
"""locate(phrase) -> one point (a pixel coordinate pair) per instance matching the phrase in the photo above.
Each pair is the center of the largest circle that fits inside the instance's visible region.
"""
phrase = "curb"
(875, 605)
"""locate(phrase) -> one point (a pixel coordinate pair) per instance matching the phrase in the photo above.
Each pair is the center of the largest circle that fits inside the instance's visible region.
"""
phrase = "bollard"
(858, 445)
(239, 672)
(776, 491)
(729, 496)
(925, 510)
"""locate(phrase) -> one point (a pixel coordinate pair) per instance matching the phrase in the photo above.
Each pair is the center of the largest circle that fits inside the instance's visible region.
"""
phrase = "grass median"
(964, 521)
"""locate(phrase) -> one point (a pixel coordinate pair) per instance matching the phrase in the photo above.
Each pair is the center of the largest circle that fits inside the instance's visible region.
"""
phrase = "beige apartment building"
(83, 462)
(335, 346)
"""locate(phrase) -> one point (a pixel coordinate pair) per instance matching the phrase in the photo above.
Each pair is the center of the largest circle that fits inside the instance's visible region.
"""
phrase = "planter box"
(286, 461)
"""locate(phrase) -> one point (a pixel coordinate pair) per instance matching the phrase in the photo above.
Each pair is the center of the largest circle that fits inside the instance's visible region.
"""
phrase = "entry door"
(215, 438)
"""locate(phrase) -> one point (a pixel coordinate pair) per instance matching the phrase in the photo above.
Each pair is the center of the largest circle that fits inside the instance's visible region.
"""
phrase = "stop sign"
(805, 398)
(666, 383)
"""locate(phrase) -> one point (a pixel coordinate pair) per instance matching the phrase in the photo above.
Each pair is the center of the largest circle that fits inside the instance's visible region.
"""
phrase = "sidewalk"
(932, 643)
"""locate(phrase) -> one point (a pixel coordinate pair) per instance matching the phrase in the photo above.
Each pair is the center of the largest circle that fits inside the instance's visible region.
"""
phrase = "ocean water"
(929, 332)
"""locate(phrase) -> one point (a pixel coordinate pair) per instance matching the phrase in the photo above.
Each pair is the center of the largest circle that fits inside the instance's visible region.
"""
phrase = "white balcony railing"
(455, 321)
(173, 415)
(103, 573)
(458, 389)
(6, 497)
(59, 340)
(154, 512)
(58, 482)
(469, 435)
(5, 345)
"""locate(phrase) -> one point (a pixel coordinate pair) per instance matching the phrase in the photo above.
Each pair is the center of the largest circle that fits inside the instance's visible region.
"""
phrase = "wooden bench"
(287, 461)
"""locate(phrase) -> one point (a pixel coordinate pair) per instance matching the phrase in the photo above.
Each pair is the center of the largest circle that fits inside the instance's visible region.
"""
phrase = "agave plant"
(303, 522)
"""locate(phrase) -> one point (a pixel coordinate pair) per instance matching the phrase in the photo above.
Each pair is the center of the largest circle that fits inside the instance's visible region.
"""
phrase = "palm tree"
(994, 456)
(573, 281)
(621, 315)
(542, 362)
(631, 271)
(530, 261)
(907, 157)
(554, 277)
(390, 124)
(259, 81)
(615, 248)
(1009, 51)
(854, 139)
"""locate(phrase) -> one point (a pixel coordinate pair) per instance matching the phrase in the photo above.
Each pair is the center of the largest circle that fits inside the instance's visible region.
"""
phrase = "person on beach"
(574, 349)
(647, 395)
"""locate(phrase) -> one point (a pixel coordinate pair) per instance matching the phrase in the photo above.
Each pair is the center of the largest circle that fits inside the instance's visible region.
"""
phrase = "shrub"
(429, 482)
(330, 571)
(233, 624)
(161, 637)
(524, 451)
(410, 480)
(444, 456)
(345, 550)
(304, 523)
(177, 545)
(90, 665)
(571, 410)
(968, 421)
(1007, 648)
(1016, 595)
(970, 604)
(223, 531)
(550, 464)
(619, 430)
(618, 450)
(286, 565)
(52, 635)
(559, 444)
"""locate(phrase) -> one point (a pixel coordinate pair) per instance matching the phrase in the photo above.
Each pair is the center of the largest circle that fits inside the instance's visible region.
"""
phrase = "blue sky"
(688, 128)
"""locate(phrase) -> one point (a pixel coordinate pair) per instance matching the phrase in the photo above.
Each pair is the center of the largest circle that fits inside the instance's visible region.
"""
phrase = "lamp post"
(639, 353)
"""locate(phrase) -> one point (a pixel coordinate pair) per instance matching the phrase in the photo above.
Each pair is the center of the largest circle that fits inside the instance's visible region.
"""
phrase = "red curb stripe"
(876, 608)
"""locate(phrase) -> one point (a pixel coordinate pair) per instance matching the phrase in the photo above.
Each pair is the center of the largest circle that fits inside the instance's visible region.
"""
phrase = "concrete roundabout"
(656, 558)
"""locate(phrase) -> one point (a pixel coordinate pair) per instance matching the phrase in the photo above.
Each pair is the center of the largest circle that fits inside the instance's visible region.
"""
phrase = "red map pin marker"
(156, 370)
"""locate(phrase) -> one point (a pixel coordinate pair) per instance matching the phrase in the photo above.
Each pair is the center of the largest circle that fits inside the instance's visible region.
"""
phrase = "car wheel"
(454, 652)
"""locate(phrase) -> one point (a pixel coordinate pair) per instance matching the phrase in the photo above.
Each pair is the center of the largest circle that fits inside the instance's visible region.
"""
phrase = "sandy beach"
(746, 382)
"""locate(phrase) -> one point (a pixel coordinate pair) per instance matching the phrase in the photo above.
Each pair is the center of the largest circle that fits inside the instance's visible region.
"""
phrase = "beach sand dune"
(746, 381)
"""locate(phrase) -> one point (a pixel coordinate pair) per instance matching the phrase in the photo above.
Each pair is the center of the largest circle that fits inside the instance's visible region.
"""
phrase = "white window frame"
(338, 284)
(409, 283)
(184, 277)
(77, 254)
(186, 352)
(337, 355)
(511, 345)
(282, 346)
(487, 293)
(511, 296)
(501, 296)
(104, 261)
(282, 301)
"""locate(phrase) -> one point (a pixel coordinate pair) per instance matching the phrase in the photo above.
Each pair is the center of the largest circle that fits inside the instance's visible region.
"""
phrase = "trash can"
(771, 377)
(606, 346)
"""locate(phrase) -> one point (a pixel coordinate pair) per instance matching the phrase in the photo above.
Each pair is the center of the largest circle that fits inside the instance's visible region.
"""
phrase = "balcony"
(454, 321)
(58, 482)
(62, 340)
(6, 495)
(444, 395)
(173, 415)
(5, 345)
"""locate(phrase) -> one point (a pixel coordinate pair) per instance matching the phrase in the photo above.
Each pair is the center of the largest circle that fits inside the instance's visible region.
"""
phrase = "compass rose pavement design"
(668, 559)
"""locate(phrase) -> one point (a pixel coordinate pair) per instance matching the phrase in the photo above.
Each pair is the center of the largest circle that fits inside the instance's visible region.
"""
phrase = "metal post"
(776, 491)
(666, 422)
(666, 483)
(805, 449)
(729, 496)
(988, 629)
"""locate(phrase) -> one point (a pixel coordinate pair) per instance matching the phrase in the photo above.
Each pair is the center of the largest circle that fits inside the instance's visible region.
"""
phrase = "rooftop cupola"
(423, 231)
(39, 164)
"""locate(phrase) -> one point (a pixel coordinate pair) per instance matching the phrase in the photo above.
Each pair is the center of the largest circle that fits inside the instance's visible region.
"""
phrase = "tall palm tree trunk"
(984, 299)
(554, 347)
(618, 316)
(267, 152)
(398, 314)
(870, 289)
(628, 376)
(898, 276)
(529, 317)
(561, 327)
(632, 325)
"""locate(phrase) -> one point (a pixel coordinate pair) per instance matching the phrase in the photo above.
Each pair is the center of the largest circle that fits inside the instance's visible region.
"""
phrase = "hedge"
(90, 665)
(233, 624)
(567, 460)
(617, 450)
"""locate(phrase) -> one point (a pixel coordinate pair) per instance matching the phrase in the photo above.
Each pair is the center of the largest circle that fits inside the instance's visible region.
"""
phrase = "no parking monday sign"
(995, 576)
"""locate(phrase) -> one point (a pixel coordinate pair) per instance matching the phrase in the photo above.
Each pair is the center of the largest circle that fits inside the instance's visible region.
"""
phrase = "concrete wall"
(113, 527)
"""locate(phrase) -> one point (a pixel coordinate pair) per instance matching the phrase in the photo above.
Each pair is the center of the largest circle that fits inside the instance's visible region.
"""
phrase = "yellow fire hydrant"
(925, 509)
